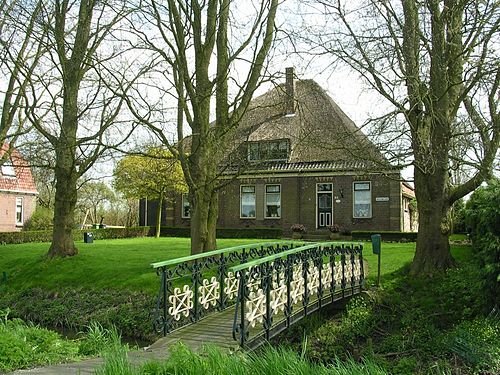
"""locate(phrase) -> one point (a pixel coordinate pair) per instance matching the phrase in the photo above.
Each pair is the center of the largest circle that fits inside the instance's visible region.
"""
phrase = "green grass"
(24, 345)
(117, 264)
(124, 264)
(214, 361)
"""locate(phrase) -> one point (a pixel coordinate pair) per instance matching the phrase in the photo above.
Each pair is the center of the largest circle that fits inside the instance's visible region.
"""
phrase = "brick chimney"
(290, 92)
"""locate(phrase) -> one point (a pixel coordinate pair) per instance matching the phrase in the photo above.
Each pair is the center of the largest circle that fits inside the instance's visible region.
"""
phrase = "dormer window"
(276, 150)
(8, 169)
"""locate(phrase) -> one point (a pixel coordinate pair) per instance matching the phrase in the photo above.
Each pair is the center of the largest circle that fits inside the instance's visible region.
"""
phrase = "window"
(247, 202)
(19, 211)
(324, 187)
(8, 169)
(268, 150)
(186, 214)
(273, 201)
(362, 200)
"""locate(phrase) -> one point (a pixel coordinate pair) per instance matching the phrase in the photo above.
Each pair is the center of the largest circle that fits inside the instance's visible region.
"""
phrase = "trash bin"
(88, 237)
(102, 226)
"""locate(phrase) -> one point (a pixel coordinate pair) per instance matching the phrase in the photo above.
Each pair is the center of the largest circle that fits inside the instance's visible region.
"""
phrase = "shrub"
(334, 228)
(396, 236)
(483, 220)
(298, 228)
(222, 232)
(41, 219)
(46, 235)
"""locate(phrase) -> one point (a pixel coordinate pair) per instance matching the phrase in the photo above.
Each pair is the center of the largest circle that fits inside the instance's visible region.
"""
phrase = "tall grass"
(214, 361)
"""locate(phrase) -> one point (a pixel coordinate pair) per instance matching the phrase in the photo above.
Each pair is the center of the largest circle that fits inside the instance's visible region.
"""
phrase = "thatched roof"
(319, 131)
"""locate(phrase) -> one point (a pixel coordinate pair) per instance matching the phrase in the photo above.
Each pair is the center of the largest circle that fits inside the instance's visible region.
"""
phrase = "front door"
(324, 205)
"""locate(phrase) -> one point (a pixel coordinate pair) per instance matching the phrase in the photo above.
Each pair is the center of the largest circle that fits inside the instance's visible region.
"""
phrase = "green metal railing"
(194, 286)
(281, 288)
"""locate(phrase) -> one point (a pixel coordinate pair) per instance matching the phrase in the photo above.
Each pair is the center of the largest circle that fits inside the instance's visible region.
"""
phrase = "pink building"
(17, 191)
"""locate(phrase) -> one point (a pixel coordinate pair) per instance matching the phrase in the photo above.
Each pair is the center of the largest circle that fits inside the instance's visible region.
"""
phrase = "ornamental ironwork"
(291, 285)
(195, 286)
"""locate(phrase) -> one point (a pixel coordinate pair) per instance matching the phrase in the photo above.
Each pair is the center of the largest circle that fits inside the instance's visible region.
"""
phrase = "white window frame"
(21, 222)
(254, 204)
(265, 203)
(260, 145)
(185, 198)
(8, 169)
(370, 214)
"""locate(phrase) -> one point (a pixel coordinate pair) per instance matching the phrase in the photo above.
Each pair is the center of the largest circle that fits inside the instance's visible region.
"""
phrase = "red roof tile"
(23, 181)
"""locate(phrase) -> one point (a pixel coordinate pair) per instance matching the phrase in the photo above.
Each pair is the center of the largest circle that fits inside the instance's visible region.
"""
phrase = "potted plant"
(334, 231)
(298, 231)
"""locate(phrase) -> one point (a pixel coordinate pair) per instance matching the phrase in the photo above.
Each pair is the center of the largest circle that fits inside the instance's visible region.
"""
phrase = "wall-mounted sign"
(381, 199)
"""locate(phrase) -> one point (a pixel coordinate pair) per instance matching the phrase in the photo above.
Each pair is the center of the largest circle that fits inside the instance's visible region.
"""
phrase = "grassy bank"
(412, 325)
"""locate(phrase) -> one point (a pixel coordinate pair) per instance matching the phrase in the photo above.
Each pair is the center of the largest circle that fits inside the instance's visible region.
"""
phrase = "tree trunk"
(212, 221)
(66, 174)
(432, 250)
(158, 215)
(204, 206)
(64, 209)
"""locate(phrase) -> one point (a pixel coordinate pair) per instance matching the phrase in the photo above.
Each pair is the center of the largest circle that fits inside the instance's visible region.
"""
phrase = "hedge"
(222, 232)
(46, 235)
(396, 236)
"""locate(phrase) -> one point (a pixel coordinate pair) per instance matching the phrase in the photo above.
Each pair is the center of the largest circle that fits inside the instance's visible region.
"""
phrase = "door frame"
(316, 202)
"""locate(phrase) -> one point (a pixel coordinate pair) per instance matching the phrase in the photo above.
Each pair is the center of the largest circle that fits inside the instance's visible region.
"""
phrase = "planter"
(335, 236)
(297, 235)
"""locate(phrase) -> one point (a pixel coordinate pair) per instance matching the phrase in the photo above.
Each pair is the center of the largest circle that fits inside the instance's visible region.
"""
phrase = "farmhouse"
(17, 191)
(299, 159)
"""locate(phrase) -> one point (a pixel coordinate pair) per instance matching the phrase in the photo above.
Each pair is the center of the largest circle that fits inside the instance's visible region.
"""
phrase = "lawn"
(116, 264)
(125, 263)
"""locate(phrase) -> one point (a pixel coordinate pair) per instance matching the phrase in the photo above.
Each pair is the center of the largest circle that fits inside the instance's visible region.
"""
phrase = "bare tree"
(436, 64)
(21, 47)
(212, 54)
(85, 57)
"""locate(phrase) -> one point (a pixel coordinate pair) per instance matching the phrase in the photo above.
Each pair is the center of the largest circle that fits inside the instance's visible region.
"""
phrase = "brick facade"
(8, 210)
(16, 182)
(297, 137)
(299, 203)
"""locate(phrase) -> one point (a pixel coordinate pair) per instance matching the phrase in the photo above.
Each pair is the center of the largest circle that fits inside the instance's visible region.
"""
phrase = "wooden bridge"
(247, 294)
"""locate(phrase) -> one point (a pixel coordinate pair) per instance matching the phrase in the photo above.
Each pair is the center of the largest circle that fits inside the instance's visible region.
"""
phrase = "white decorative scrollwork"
(326, 275)
(255, 307)
(338, 274)
(313, 280)
(297, 285)
(209, 292)
(232, 283)
(278, 297)
(181, 301)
